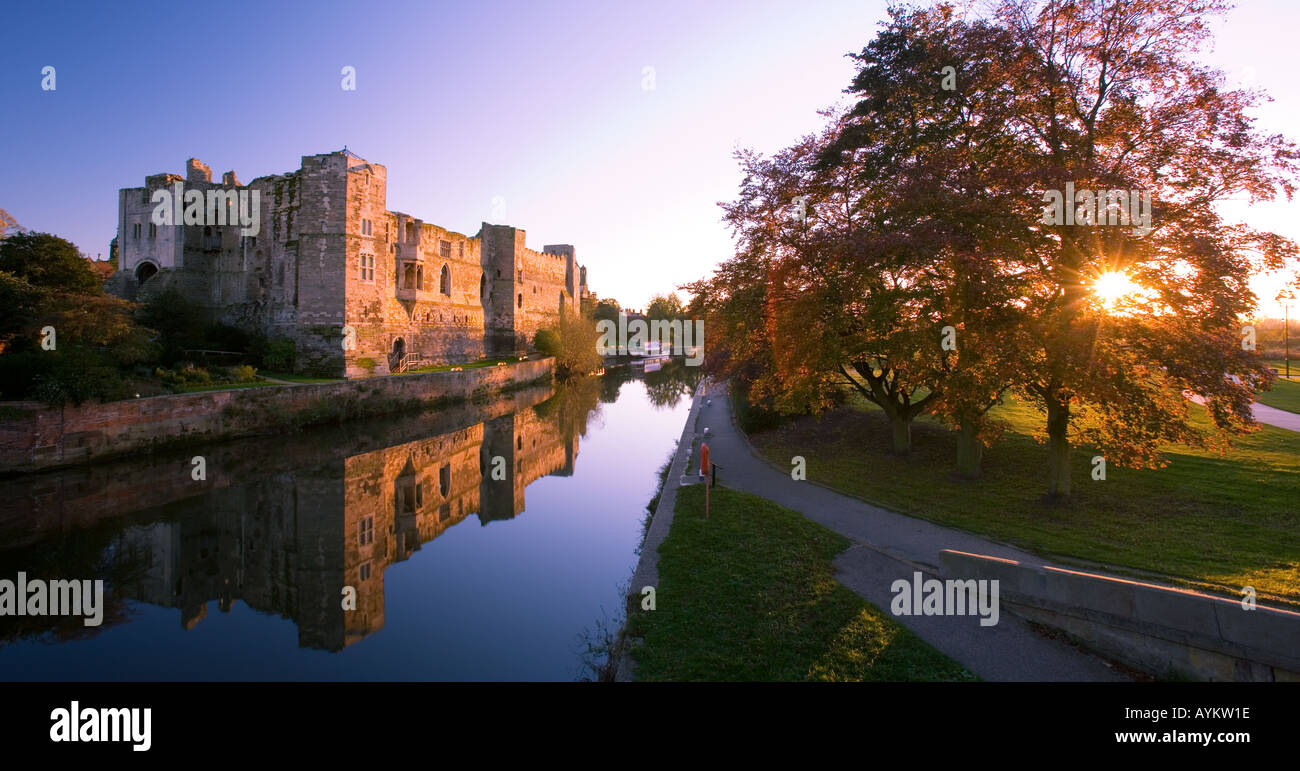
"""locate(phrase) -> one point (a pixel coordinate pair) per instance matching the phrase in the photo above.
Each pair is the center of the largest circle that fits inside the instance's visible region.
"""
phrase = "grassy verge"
(470, 365)
(292, 378)
(750, 595)
(189, 389)
(1284, 396)
(1215, 522)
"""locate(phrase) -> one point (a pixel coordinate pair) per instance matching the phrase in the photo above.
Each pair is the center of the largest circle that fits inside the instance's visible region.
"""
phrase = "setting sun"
(1112, 286)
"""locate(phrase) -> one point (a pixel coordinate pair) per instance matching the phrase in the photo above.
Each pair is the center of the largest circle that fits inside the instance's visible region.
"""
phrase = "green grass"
(1215, 522)
(470, 365)
(189, 389)
(1284, 396)
(292, 378)
(751, 595)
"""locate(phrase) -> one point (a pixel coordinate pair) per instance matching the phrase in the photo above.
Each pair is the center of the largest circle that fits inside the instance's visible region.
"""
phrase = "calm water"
(458, 576)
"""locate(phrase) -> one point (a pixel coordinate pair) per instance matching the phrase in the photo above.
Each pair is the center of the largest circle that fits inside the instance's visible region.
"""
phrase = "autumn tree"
(1126, 318)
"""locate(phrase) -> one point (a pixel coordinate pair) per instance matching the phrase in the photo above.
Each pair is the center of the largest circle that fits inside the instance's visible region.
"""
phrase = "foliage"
(573, 341)
(95, 340)
(922, 210)
(278, 355)
(49, 262)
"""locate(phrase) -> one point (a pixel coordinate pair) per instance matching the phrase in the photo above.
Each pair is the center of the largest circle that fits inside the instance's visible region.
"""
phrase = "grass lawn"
(292, 378)
(1215, 522)
(1284, 396)
(470, 365)
(189, 389)
(750, 595)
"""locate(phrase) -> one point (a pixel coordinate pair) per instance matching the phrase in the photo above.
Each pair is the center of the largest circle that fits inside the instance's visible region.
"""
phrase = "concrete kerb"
(661, 521)
(1155, 628)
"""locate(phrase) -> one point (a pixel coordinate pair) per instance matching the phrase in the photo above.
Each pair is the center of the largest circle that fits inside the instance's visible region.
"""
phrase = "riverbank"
(34, 437)
(751, 594)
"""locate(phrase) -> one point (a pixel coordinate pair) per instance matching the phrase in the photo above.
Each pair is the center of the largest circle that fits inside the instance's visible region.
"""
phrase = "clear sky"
(541, 106)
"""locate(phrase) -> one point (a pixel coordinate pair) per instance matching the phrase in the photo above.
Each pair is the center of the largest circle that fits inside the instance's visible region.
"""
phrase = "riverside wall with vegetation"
(34, 436)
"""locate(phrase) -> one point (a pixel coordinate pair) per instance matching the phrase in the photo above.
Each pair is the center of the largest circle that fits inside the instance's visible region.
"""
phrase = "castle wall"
(330, 254)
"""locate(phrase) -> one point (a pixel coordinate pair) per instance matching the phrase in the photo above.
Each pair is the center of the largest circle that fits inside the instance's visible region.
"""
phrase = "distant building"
(328, 255)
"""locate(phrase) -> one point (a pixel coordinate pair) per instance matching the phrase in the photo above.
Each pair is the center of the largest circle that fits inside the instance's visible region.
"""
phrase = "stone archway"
(145, 271)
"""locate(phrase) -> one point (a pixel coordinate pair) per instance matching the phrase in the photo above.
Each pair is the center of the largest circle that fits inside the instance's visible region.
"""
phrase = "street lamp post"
(1285, 297)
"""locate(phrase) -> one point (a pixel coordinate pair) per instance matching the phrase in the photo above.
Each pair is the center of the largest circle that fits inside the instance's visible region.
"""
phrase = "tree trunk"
(969, 449)
(1058, 432)
(902, 433)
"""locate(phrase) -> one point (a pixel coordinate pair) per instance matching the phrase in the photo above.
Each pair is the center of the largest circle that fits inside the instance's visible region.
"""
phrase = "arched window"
(482, 286)
(444, 283)
(521, 299)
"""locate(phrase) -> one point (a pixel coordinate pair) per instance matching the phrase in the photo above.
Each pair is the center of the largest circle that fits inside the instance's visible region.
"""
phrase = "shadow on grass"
(750, 595)
(1211, 521)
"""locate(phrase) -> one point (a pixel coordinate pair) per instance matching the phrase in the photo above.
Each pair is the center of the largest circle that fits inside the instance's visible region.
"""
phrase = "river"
(482, 542)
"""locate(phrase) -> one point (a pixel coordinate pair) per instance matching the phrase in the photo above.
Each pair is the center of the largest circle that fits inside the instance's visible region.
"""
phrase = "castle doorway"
(145, 271)
(395, 358)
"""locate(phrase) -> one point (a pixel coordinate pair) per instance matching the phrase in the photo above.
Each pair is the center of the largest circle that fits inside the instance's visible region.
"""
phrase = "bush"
(547, 341)
(186, 376)
(573, 344)
(279, 355)
(244, 374)
(367, 363)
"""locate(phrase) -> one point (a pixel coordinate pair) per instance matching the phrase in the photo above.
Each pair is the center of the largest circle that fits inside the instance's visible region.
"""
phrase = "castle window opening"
(153, 230)
(367, 262)
(444, 248)
(444, 480)
(482, 286)
(444, 281)
(135, 230)
(521, 299)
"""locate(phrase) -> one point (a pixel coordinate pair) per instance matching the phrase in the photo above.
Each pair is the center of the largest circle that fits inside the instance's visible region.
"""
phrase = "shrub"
(547, 341)
(244, 374)
(279, 355)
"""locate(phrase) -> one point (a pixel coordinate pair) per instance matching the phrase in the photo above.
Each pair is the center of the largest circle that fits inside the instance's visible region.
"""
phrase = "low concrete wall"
(48, 437)
(1157, 629)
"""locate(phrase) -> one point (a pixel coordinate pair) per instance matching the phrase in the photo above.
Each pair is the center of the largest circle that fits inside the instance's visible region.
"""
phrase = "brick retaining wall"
(49, 437)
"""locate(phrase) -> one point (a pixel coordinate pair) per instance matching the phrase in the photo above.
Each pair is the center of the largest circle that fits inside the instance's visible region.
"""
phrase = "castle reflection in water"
(290, 543)
(284, 523)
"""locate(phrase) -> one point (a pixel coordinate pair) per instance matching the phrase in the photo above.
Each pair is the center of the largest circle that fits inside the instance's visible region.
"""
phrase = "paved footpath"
(1275, 417)
(888, 546)
(1271, 416)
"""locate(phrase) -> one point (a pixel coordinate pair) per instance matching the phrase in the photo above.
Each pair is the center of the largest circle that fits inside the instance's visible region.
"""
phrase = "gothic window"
(444, 480)
(444, 282)
(482, 286)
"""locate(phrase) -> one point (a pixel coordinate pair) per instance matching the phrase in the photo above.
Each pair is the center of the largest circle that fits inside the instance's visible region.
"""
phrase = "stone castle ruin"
(326, 260)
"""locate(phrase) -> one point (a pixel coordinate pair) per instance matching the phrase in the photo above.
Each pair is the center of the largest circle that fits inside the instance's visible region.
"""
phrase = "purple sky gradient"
(538, 103)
